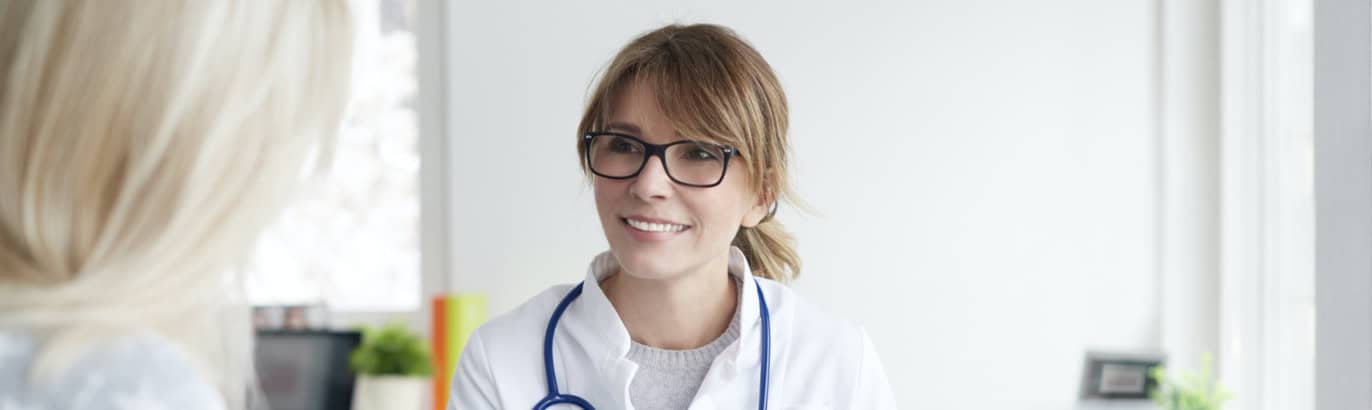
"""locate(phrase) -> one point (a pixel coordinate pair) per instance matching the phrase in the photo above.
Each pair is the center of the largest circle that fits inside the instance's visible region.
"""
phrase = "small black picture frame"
(1119, 376)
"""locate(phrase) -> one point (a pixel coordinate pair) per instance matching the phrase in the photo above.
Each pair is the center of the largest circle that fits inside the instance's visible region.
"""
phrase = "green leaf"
(1192, 392)
(391, 350)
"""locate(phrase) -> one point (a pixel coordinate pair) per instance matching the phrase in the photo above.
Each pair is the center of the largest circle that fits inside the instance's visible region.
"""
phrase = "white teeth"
(655, 227)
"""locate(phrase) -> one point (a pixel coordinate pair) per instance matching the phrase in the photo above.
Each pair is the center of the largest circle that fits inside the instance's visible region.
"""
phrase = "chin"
(648, 263)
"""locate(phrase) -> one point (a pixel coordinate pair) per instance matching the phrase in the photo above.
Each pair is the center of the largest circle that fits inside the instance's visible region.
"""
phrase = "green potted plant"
(1191, 391)
(392, 366)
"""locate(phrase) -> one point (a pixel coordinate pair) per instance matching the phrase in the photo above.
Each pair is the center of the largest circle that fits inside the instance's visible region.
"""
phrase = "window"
(1267, 284)
(351, 240)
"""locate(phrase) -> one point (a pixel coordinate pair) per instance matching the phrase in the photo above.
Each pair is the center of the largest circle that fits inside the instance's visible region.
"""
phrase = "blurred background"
(1011, 197)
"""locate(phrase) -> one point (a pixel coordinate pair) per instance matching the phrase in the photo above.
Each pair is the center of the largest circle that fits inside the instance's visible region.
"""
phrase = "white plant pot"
(389, 393)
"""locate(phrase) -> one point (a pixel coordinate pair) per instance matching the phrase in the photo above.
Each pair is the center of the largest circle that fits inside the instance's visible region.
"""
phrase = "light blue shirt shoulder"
(144, 372)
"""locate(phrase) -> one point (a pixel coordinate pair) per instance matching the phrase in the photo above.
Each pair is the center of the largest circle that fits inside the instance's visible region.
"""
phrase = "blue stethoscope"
(554, 397)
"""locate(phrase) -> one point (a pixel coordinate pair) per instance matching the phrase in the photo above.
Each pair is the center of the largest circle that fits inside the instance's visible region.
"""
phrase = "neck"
(678, 313)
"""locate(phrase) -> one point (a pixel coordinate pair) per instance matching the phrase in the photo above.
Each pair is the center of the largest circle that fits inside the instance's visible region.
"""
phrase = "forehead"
(634, 110)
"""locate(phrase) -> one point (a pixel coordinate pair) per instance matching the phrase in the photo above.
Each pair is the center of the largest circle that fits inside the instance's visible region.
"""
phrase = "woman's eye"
(701, 154)
(623, 146)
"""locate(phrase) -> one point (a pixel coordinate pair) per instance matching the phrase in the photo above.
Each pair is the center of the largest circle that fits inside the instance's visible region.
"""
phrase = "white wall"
(985, 172)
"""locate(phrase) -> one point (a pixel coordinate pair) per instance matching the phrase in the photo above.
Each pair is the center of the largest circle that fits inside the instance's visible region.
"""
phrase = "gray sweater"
(668, 379)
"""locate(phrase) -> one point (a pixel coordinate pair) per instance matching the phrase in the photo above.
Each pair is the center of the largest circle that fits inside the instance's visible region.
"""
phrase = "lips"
(646, 224)
(655, 227)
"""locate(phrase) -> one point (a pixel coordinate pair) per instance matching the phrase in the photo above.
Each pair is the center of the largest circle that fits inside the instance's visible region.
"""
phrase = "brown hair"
(714, 87)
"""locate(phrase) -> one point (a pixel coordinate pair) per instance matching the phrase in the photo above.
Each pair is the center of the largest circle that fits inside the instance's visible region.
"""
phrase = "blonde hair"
(143, 146)
(714, 87)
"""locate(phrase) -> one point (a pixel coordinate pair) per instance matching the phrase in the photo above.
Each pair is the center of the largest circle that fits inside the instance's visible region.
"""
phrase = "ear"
(759, 210)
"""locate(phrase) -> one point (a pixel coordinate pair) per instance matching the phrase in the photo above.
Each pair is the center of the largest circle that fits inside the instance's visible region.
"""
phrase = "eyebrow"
(629, 128)
(624, 126)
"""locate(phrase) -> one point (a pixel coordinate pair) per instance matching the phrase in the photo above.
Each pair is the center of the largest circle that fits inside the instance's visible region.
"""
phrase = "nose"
(652, 183)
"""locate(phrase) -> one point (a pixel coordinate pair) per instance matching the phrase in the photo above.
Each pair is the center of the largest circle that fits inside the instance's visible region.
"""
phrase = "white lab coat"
(818, 360)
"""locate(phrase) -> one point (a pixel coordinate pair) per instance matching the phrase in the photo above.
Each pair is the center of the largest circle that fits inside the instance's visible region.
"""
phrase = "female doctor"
(685, 142)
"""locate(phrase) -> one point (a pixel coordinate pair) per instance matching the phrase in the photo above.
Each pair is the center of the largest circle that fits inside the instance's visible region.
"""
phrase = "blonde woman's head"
(698, 83)
(143, 145)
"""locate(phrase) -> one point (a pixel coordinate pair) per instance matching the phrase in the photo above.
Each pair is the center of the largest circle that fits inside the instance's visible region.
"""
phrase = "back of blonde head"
(143, 145)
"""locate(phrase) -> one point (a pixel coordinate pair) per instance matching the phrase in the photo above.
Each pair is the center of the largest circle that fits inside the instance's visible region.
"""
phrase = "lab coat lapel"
(733, 378)
(602, 336)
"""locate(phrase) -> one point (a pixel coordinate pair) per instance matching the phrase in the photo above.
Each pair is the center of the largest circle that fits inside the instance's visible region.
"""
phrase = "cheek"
(735, 197)
(607, 193)
(721, 211)
(606, 201)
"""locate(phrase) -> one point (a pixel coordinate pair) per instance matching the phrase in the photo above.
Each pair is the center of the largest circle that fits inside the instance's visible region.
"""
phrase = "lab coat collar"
(595, 308)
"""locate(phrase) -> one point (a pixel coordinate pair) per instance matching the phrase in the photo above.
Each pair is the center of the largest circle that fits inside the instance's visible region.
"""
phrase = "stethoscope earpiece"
(771, 213)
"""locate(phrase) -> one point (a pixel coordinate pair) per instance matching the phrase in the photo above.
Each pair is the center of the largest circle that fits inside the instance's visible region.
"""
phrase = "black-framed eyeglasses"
(691, 163)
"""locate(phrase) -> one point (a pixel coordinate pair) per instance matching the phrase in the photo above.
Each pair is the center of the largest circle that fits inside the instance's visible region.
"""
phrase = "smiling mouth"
(654, 226)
